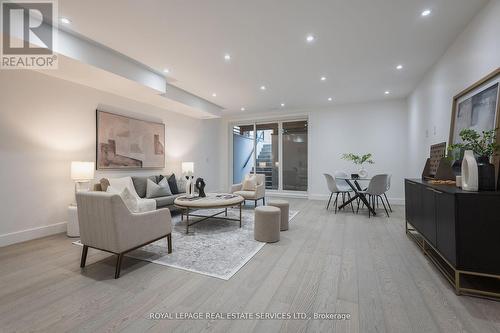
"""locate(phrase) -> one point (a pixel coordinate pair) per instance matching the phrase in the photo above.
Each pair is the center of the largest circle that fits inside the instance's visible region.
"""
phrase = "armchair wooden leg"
(169, 243)
(84, 255)
(118, 265)
(255, 203)
(264, 201)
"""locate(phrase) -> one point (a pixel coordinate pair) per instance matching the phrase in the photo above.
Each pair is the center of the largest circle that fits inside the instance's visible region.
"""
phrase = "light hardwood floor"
(326, 262)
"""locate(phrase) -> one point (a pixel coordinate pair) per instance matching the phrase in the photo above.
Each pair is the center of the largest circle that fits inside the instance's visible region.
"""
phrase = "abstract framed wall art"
(477, 107)
(127, 143)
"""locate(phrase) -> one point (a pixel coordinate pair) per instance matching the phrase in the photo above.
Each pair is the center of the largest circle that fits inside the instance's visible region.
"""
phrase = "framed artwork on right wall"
(477, 107)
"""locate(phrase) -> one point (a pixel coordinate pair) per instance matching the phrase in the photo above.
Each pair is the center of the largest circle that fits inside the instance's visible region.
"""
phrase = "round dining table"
(356, 187)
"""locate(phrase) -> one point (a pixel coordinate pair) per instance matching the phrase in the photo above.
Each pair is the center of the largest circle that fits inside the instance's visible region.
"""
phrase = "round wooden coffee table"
(211, 201)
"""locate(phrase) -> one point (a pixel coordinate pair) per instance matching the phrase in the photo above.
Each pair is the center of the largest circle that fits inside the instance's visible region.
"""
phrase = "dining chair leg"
(377, 201)
(369, 210)
(383, 203)
(388, 204)
(349, 197)
(329, 200)
(335, 204)
(357, 209)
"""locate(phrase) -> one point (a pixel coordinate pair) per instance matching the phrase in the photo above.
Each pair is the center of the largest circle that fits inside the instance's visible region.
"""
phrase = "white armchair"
(107, 224)
(258, 194)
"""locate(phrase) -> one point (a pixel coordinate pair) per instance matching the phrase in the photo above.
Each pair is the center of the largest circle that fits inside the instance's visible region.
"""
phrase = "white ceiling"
(358, 45)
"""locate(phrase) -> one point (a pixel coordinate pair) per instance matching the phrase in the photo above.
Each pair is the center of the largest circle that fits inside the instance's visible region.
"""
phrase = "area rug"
(214, 247)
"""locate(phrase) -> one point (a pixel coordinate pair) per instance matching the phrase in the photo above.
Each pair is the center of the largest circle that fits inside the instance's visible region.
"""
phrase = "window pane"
(295, 156)
(267, 153)
(243, 148)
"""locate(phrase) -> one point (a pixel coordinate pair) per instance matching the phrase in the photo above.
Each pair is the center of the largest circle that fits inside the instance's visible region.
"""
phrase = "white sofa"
(107, 224)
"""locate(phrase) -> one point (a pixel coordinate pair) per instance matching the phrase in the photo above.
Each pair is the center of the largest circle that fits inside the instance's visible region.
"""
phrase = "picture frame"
(128, 143)
(472, 107)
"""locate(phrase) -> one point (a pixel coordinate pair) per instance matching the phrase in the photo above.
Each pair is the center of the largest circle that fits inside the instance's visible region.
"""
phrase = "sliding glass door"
(276, 149)
(243, 151)
(295, 155)
(267, 153)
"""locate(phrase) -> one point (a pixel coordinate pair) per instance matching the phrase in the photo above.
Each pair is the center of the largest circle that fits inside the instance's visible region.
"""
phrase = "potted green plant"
(359, 160)
(483, 146)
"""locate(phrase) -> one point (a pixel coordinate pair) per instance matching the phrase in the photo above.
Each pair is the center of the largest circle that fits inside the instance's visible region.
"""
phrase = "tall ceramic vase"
(469, 172)
(189, 184)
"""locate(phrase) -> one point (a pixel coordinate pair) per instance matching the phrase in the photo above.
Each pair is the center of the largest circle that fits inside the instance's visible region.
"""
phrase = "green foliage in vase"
(357, 159)
(481, 144)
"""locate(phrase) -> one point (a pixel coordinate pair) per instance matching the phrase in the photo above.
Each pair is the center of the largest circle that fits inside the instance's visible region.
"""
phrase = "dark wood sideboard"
(459, 231)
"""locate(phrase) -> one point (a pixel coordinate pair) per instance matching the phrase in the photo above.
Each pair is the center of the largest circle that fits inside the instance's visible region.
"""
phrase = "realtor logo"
(28, 31)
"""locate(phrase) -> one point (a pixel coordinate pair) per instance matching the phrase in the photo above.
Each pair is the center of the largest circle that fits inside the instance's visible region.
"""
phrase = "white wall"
(474, 54)
(378, 128)
(45, 123)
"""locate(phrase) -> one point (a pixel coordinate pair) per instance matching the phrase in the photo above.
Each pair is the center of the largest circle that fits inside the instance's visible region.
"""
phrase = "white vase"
(192, 187)
(189, 182)
(469, 172)
(362, 172)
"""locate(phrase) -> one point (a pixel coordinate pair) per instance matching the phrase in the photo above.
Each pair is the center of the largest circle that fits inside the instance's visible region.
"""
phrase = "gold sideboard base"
(464, 282)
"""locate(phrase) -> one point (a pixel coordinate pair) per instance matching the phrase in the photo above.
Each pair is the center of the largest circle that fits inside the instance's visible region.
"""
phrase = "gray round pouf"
(284, 206)
(267, 224)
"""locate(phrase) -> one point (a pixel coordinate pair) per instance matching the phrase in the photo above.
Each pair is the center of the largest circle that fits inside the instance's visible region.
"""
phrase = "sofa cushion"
(104, 184)
(140, 184)
(162, 189)
(132, 201)
(119, 184)
(166, 201)
(250, 183)
(172, 182)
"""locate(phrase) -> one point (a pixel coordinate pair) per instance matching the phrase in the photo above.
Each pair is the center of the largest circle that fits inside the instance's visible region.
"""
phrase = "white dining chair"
(340, 177)
(376, 188)
(334, 189)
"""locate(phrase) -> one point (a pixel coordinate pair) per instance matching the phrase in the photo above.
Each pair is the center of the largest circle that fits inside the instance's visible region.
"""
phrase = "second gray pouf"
(284, 206)
(267, 224)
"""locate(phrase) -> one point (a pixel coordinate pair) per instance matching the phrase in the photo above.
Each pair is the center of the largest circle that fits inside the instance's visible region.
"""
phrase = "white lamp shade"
(188, 168)
(82, 171)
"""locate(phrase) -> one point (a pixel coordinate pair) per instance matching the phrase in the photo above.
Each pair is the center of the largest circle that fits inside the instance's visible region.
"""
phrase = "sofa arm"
(236, 187)
(141, 228)
(260, 191)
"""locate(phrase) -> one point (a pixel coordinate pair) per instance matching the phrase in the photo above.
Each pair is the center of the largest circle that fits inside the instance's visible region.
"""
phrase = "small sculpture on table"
(200, 185)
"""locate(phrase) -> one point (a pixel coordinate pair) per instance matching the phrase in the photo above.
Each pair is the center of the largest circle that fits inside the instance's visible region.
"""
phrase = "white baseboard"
(33, 233)
(324, 197)
(286, 194)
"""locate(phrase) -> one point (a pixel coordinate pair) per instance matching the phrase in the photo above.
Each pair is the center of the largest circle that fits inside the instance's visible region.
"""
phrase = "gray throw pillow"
(162, 189)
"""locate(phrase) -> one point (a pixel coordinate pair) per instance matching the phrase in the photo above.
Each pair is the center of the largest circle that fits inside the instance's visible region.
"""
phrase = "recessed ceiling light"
(330, 99)
(282, 104)
(310, 38)
(227, 57)
(65, 20)
(387, 92)
(263, 88)
(214, 95)
(242, 109)
(323, 78)
(426, 12)
(166, 71)
(399, 67)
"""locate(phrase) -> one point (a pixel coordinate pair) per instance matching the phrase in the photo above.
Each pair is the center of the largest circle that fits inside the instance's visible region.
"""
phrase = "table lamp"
(82, 172)
(188, 172)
